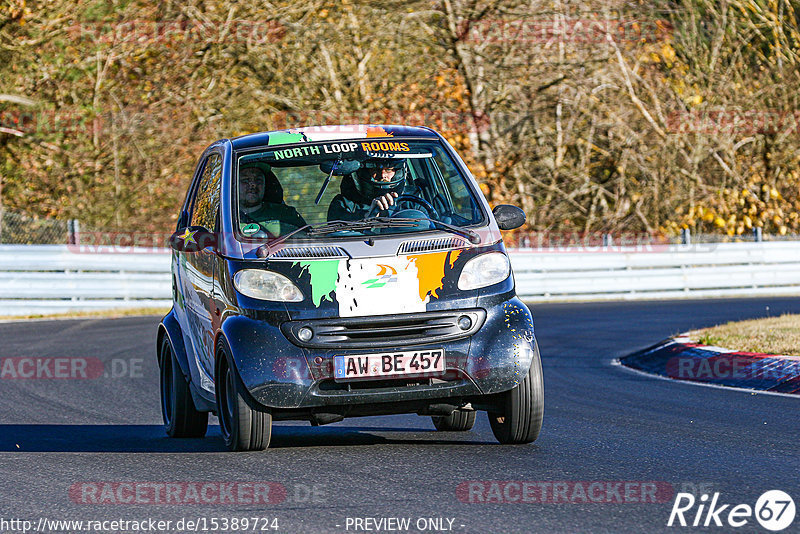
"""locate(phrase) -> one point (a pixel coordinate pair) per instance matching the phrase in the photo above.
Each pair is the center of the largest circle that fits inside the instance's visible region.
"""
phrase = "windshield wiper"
(363, 224)
(266, 249)
(472, 236)
(331, 227)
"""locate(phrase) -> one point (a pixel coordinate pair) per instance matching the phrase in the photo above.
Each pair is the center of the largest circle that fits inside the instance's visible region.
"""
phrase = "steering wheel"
(432, 213)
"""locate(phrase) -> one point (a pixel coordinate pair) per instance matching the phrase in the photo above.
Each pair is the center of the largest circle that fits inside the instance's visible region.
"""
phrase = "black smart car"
(340, 271)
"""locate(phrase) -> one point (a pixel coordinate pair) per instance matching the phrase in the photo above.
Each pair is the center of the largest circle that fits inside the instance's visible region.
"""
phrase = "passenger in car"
(261, 205)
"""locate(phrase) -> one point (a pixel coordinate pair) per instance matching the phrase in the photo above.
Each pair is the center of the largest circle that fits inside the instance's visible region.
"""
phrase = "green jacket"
(275, 219)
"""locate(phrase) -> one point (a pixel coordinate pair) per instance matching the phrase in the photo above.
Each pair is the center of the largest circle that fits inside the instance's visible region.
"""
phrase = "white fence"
(47, 279)
(659, 271)
(44, 279)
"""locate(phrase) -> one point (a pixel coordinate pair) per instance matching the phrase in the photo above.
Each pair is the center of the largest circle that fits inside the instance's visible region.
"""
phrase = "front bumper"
(282, 375)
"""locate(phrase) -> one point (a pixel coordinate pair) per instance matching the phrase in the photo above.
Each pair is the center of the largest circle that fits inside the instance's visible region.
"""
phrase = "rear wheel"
(458, 421)
(522, 408)
(243, 428)
(181, 418)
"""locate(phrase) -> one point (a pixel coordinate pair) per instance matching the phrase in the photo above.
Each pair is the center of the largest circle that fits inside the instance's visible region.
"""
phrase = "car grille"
(385, 331)
(301, 253)
(431, 245)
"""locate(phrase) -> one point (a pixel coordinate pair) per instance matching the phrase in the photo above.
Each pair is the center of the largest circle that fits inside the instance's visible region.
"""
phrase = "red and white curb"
(681, 358)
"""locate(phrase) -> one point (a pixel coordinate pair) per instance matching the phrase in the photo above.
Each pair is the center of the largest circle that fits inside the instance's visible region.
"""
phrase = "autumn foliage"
(592, 116)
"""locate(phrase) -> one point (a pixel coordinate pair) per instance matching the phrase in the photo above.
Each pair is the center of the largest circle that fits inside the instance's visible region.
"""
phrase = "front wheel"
(181, 418)
(522, 408)
(243, 428)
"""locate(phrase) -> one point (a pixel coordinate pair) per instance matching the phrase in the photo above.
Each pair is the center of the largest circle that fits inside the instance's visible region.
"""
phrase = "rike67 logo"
(774, 510)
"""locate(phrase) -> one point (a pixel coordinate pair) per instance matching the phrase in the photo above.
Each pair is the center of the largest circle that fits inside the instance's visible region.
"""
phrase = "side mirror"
(508, 217)
(192, 239)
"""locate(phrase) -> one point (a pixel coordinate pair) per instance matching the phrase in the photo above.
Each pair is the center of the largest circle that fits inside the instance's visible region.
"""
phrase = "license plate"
(389, 364)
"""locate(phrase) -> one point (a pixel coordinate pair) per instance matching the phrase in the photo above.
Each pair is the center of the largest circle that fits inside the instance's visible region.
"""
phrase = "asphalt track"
(602, 423)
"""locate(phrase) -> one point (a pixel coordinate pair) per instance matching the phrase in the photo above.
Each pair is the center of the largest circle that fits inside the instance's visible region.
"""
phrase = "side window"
(186, 207)
(458, 193)
(206, 203)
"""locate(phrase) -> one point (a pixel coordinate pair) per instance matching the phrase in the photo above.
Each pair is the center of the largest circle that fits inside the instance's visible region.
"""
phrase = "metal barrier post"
(73, 229)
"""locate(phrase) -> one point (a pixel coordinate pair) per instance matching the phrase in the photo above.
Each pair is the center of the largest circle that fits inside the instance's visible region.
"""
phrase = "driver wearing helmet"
(374, 188)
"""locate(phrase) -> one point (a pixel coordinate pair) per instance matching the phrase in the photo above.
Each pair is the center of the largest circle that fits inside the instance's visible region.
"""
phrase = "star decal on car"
(188, 237)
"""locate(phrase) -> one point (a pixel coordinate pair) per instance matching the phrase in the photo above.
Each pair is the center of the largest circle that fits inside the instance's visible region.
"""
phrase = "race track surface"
(602, 423)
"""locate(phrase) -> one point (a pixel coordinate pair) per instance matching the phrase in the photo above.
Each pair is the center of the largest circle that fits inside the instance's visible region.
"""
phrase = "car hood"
(379, 285)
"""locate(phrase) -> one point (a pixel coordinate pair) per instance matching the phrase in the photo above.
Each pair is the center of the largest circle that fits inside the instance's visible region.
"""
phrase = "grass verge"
(772, 335)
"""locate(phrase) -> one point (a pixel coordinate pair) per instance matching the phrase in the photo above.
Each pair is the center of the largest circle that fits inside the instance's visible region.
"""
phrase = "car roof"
(341, 132)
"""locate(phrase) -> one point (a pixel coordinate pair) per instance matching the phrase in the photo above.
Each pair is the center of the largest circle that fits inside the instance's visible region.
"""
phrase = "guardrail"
(658, 271)
(45, 279)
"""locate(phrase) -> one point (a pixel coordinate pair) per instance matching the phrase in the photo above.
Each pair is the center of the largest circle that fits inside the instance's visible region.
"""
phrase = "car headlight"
(484, 270)
(266, 285)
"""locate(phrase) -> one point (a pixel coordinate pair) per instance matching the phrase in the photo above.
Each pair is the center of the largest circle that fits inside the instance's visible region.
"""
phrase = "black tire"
(523, 408)
(243, 428)
(181, 418)
(458, 421)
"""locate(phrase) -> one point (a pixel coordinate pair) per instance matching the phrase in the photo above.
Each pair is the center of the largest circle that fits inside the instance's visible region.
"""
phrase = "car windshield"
(374, 187)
